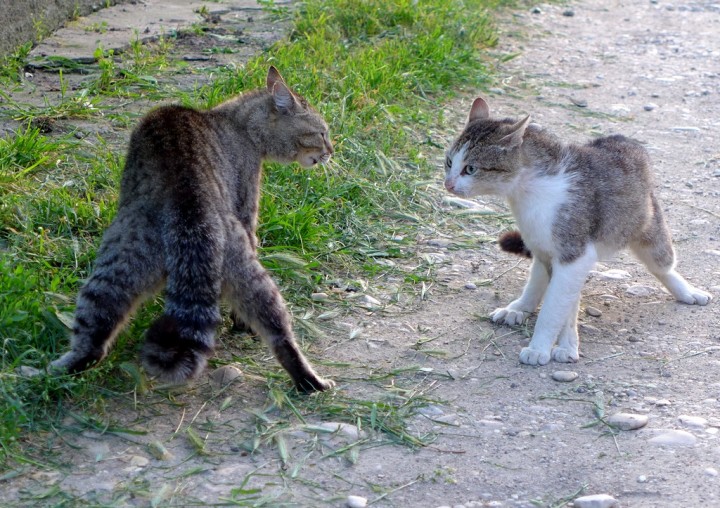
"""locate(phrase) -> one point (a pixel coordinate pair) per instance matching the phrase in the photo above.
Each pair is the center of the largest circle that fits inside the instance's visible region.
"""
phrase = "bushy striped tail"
(512, 242)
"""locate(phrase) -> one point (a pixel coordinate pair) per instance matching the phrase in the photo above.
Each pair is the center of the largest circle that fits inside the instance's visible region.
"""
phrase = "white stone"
(640, 290)
(460, 203)
(711, 471)
(319, 297)
(613, 274)
(369, 302)
(356, 502)
(593, 311)
(628, 421)
(564, 376)
(674, 438)
(346, 429)
(596, 501)
(695, 422)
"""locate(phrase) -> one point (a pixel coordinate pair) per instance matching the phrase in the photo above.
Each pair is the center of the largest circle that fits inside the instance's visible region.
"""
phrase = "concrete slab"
(116, 27)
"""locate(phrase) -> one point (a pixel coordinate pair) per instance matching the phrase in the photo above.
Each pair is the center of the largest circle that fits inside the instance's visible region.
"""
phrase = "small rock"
(639, 290)
(685, 129)
(695, 422)
(158, 450)
(564, 376)
(356, 502)
(470, 285)
(613, 274)
(596, 501)
(628, 421)
(319, 297)
(674, 438)
(649, 106)
(581, 103)
(139, 461)
(568, 13)
(369, 302)
(459, 202)
(346, 429)
(443, 243)
(711, 471)
(642, 479)
(536, 10)
(225, 374)
(592, 311)
(662, 402)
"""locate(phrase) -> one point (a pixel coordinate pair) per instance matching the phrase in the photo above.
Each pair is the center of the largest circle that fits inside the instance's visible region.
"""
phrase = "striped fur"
(186, 222)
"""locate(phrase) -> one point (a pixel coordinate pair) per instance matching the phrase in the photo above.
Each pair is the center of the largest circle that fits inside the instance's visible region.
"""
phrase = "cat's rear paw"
(530, 356)
(508, 316)
(315, 384)
(565, 355)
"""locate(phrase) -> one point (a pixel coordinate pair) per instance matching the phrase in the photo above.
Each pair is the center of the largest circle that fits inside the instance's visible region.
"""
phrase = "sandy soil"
(507, 435)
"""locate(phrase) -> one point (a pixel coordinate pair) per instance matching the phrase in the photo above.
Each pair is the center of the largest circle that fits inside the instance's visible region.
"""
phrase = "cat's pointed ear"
(284, 98)
(515, 138)
(273, 77)
(479, 110)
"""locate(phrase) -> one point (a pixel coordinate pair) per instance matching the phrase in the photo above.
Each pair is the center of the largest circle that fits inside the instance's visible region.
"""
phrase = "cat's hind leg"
(518, 310)
(178, 344)
(257, 301)
(127, 269)
(561, 301)
(655, 250)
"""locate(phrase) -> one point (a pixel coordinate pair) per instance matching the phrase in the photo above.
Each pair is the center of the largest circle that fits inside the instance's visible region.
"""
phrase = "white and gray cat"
(573, 206)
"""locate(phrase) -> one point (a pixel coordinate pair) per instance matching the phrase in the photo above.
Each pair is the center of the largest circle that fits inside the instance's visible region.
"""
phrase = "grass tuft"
(379, 72)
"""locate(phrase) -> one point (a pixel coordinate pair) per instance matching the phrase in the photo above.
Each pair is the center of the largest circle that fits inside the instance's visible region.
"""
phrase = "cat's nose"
(450, 185)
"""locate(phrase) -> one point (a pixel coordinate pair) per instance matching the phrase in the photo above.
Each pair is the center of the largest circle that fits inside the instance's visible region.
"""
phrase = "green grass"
(378, 71)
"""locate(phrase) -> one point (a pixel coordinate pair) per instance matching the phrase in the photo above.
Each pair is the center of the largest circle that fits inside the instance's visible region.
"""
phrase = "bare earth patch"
(432, 406)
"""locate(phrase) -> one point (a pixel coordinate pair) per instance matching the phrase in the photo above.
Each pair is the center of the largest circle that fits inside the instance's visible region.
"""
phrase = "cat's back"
(174, 154)
(616, 157)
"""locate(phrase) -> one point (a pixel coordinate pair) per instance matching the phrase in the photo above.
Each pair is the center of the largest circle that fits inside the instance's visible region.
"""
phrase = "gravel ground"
(507, 435)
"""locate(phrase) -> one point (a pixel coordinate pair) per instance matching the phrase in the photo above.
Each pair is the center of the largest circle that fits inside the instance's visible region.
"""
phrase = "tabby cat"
(186, 221)
(573, 205)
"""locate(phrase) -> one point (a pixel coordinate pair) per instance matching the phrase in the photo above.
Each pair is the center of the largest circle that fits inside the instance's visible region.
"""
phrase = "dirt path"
(506, 435)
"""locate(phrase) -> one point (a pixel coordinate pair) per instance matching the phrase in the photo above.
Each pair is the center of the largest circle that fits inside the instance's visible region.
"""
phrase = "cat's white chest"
(535, 204)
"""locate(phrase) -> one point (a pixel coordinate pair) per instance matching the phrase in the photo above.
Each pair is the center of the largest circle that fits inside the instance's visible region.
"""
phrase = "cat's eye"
(448, 162)
(469, 170)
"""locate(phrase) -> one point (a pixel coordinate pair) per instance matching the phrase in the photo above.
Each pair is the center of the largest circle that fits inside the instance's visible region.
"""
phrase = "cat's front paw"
(565, 355)
(315, 384)
(530, 356)
(508, 316)
(695, 296)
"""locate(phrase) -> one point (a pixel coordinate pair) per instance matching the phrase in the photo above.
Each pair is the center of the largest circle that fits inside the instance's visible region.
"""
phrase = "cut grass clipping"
(378, 71)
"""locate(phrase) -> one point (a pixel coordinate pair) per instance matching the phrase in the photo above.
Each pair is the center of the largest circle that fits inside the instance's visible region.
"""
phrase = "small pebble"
(639, 290)
(369, 302)
(564, 376)
(225, 374)
(569, 13)
(596, 501)
(649, 106)
(695, 422)
(470, 285)
(592, 311)
(356, 502)
(642, 479)
(536, 10)
(674, 438)
(711, 471)
(628, 421)
(319, 297)
(138, 461)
